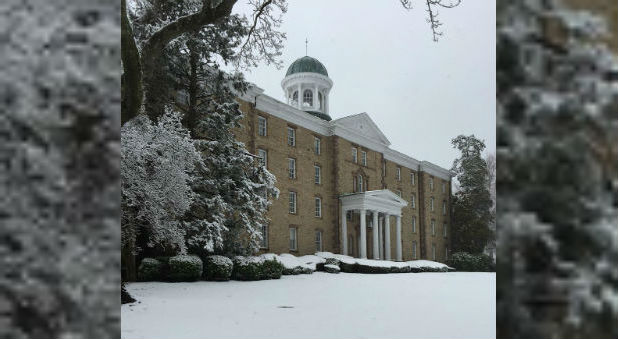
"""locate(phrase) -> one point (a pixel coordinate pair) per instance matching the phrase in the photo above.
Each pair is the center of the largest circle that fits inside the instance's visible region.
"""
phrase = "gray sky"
(382, 61)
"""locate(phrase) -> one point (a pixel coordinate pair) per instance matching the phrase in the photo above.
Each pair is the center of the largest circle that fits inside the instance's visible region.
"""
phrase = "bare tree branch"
(432, 13)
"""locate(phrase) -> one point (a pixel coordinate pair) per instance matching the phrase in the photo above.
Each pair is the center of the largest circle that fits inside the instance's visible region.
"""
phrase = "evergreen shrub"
(271, 269)
(217, 268)
(185, 268)
(150, 270)
(466, 262)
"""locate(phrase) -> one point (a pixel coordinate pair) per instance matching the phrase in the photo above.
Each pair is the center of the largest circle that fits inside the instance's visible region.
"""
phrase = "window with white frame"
(318, 174)
(414, 224)
(364, 158)
(291, 168)
(291, 136)
(413, 201)
(317, 145)
(318, 207)
(433, 227)
(431, 184)
(293, 240)
(308, 97)
(414, 249)
(318, 241)
(412, 178)
(264, 242)
(432, 200)
(398, 173)
(354, 155)
(262, 126)
(292, 206)
(359, 183)
(443, 187)
(433, 252)
(444, 207)
(262, 157)
(445, 230)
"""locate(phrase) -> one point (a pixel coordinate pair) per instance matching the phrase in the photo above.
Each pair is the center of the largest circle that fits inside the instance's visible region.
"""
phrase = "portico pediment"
(383, 201)
(359, 125)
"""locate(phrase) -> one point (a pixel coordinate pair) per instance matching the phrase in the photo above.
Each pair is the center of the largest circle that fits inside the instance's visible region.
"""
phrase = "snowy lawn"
(318, 305)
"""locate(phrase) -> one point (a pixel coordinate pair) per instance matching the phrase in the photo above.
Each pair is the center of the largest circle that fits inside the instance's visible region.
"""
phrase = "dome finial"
(306, 43)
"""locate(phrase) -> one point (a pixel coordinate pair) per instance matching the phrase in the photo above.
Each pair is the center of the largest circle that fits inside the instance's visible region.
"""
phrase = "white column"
(398, 238)
(300, 98)
(376, 240)
(315, 97)
(363, 234)
(344, 232)
(387, 237)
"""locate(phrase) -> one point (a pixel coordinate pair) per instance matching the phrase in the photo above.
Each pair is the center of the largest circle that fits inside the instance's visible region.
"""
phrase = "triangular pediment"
(362, 125)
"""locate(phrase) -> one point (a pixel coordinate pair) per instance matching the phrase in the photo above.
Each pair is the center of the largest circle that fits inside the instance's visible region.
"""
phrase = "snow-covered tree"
(557, 170)
(472, 202)
(157, 161)
(59, 169)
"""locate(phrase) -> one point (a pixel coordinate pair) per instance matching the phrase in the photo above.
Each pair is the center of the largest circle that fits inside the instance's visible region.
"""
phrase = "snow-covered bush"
(246, 268)
(557, 150)
(185, 268)
(271, 269)
(150, 270)
(331, 268)
(59, 169)
(218, 268)
(466, 262)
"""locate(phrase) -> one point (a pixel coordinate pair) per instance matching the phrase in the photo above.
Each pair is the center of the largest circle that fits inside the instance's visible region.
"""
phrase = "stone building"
(342, 188)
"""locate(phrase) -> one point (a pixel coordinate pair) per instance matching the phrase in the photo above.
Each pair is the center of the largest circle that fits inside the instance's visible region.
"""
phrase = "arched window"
(308, 97)
(320, 100)
(295, 96)
(359, 182)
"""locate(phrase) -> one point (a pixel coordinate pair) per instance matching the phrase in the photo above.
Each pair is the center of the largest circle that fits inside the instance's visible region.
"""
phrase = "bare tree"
(432, 13)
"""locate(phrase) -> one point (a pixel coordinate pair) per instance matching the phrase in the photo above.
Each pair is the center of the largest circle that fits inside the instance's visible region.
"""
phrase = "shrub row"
(214, 267)
(466, 262)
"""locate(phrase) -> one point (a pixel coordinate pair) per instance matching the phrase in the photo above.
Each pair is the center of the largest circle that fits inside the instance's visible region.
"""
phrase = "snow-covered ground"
(318, 305)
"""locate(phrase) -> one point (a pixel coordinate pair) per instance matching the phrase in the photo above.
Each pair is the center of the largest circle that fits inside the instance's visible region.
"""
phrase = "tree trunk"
(131, 89)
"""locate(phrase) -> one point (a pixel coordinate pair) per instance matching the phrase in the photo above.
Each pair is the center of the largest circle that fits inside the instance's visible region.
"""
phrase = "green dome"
(307, 64)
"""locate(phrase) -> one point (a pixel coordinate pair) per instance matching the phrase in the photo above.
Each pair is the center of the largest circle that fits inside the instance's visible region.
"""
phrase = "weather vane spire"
(306, 43)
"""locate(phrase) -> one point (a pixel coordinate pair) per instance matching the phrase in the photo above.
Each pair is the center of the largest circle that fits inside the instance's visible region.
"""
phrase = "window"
(318, 207)
(264, 242)
(307, 98)
(398, 174)
(348, 215)
(399, 193)
(445, 253)
(364, 158)
(431, 184)
(443, 187)
(414, 249)
(444, 207)
(318, 241)
(293, 240)
(433, 227)
(413, 224)
(359, 183)
(317, 145)
(262, 157)
(412, 178)
(292, 168)
(291, 136)
(320, 100)
(413, 201)
(318, 174)
(262, 125)
(445, 230)
(292, 207)
(295, 97)
(433, 251)
(354, 155)
(432, 203)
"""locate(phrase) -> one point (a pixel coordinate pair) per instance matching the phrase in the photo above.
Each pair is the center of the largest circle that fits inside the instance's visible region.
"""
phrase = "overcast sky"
(382, 61)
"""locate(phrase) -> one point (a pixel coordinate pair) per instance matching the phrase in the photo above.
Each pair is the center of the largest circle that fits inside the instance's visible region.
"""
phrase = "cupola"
(306, 86)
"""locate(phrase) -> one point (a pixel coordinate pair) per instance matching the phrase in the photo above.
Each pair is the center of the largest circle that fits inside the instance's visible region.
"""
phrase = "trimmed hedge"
(330, 268)
(246, 269)
(217, 268)
(150, 270)
(271, 269)
(185, 268)
(466, 262)
(300, 270)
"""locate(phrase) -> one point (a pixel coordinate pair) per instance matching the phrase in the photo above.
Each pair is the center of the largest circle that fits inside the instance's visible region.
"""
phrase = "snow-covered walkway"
(319, 305)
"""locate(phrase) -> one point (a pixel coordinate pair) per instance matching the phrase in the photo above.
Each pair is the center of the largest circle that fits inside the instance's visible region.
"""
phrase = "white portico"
(381, 204)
